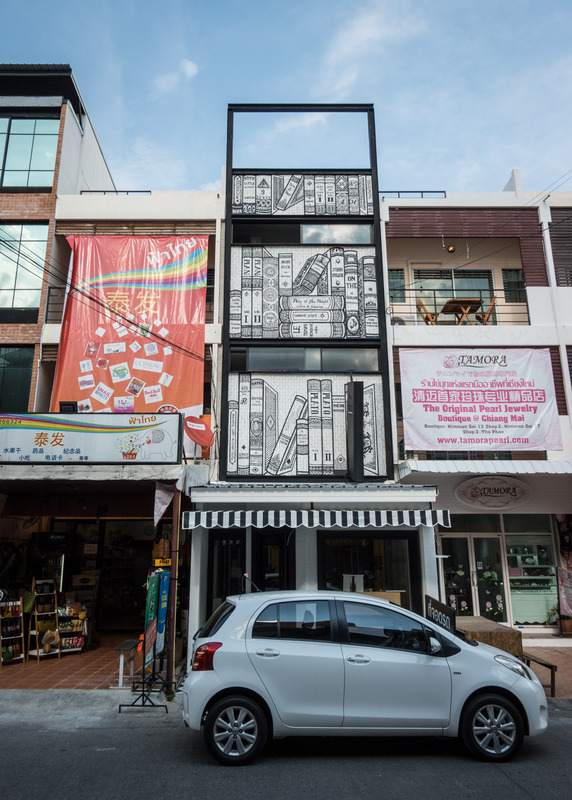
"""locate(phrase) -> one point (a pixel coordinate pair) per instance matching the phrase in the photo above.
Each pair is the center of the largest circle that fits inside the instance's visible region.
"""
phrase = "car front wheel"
(235, 730)
(492, 728)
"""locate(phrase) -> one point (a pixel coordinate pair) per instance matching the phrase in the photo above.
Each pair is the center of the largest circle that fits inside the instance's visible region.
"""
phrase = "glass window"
(22, 262)
(309, 621)
(350, 360)
(15, 378)
(435, 286)
(304, 359)
(397, 285)
(28, 150)
(217, 620)
(513, 284)
(337, 234)
(526, 523)
(266, 624)
(382, 627)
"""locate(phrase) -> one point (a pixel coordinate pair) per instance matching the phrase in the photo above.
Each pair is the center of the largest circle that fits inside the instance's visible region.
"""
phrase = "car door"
(391, 678)
(292, 650)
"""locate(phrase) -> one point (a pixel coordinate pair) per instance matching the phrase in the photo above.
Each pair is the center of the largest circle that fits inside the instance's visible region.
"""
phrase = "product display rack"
(532, 576)
(11, 633)
(44, 617)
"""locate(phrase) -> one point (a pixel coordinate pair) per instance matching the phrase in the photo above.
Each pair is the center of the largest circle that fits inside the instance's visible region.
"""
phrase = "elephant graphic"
(155, 443)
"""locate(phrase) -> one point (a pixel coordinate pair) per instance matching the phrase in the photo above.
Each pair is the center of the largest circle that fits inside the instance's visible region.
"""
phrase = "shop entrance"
(226, 566)
(273, 560)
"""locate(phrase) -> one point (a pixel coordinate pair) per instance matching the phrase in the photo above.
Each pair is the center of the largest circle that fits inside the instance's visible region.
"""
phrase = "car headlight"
(514, 665)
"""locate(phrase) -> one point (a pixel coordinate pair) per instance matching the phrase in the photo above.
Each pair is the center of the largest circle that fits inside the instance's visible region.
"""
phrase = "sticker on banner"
(102, 393)
(120, 372)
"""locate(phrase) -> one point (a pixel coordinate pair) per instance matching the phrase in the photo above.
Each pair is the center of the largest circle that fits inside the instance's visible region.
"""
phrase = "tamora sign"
(90, 438)
(440, 614)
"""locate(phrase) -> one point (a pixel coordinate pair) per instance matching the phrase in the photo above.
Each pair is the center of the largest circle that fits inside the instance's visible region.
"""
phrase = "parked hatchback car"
(277, 664)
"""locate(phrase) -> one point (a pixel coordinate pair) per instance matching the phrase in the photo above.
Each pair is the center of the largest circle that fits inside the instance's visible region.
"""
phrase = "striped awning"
(412, 518)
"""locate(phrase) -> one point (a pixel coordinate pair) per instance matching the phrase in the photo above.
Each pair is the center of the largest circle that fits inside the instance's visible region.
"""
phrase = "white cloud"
(169, 82)
(149, 166)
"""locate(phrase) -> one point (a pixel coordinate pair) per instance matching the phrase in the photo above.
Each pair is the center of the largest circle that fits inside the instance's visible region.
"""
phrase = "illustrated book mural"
(294, 425)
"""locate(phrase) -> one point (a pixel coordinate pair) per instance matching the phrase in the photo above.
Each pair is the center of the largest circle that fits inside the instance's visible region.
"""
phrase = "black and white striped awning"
(412, 518)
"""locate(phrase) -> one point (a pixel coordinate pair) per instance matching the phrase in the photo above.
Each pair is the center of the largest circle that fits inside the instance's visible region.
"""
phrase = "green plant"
(551, 615)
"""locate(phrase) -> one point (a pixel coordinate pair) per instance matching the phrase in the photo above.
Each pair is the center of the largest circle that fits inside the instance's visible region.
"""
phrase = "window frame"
(9, 135)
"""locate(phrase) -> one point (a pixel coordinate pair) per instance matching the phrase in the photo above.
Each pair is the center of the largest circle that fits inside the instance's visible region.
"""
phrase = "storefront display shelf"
(11, 633)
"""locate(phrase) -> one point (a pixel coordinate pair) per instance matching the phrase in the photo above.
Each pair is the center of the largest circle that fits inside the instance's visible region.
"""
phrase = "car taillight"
(204, 655)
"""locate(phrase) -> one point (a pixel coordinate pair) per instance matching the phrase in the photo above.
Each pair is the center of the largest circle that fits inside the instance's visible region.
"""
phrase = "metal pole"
(172, 609)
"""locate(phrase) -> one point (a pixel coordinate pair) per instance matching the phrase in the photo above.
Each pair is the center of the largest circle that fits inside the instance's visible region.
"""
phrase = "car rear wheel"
(235, 730)
(492, 728)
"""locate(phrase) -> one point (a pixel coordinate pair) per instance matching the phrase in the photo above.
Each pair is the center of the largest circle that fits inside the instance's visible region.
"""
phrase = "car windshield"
(215, 621)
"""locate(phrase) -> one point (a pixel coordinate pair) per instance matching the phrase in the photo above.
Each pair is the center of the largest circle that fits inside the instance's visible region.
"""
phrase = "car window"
(382, 627)
(307, 621)
(216, 620)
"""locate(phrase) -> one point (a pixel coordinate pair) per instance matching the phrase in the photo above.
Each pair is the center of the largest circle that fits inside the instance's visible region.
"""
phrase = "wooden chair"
(429, 317)
(484, 318)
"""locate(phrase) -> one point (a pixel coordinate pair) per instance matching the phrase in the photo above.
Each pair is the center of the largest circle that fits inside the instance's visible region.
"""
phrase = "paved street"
(73, 745)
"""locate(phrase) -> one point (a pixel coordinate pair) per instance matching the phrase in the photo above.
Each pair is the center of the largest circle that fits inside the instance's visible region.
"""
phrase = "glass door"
(473, 576)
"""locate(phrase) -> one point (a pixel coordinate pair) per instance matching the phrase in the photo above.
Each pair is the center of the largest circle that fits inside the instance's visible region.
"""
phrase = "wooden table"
(462, 308)
(485, 630)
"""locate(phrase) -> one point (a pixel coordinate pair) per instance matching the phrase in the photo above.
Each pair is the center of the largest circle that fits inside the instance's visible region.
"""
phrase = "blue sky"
(463, 91)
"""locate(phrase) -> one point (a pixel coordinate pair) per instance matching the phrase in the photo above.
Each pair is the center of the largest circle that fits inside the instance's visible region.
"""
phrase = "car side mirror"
(434, 646)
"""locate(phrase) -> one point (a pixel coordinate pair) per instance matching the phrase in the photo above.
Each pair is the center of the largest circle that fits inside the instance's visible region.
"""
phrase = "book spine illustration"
(256, 426)
(306, 280)
(287, 431)
(342, 195)
(248, 194)
(353, 194)
(277, 189)
(311, 302)
(330, 186)
(370, 440)
(363, 194)
(288, 463)
(246, 326)
(337, 271)
(352, 294)
(314, 427)
(327, 427)
(287, 197)
(232, 466)
(309, 194)
(263, 194)
(302, 447)
(235, 296)
(320, 194)
(312, 330)
(285, 273)
(270, 421)
(339, 428)
(369, 194)
(243, 424)
(256, 292)
(237, 194)
(335, 315)
(270, 297)
(370, 296)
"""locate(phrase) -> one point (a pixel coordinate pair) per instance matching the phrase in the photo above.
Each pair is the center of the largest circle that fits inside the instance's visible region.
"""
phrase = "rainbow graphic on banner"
(63, 424)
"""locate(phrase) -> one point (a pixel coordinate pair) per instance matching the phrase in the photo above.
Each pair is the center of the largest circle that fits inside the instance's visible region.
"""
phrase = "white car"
(277, 664)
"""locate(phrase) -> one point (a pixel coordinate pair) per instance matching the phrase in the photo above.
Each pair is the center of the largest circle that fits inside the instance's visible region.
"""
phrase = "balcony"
(477, 307)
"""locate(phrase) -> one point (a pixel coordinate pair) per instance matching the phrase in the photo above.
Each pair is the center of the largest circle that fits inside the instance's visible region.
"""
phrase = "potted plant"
(551, 616)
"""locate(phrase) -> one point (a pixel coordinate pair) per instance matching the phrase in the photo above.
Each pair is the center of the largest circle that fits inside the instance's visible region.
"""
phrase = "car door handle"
(359, 659)
(268, 653)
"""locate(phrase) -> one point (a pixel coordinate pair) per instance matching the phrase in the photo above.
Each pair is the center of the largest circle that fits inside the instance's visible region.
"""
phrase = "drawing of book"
(370, 296)
(312, 330)
(256, 426)
(235, 313)
(270, 423)
(248, 194)
(301, 446)
(306, 280)
(243, 448)
(232, 466)
(246, 331)
(298, 198)
(312, 302)
(256, 292)
(277, 189)
(323, 285)
(288, 463)
(369, 194)
(320, 194)
(270, 297)
(309, 194)
(330, 187)
(263, 194)
(342, 195)
(339, 430)
(352, 294)
(237, 194)
(292, 315)
(337, 271)
(315, 453)
(353, 194)
(363, 194)
(370, 431)
(285, 273)
(287, 197)
(327, 427)
(287, 431)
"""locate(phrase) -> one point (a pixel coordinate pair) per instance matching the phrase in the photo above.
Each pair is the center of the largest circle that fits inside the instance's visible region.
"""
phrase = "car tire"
(235, 730)
(492, 728)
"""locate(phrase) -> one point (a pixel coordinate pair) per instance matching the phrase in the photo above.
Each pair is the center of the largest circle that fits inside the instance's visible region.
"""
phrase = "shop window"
(304, 359)
(294, 233)
(527, 523)
(475, 523)
(15, 378)
(397, 285)
(28, 150)
(22, 262)
(513, 284)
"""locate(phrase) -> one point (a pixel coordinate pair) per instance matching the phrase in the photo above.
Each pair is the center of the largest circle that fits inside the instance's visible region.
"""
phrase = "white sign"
(492, 399)
(94, 438)
(494, 491)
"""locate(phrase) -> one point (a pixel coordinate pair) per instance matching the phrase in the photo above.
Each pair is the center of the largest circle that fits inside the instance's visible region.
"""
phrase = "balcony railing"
(438, 307)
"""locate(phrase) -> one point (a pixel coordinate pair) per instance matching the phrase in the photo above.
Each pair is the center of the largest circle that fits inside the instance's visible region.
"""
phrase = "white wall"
(82, 165)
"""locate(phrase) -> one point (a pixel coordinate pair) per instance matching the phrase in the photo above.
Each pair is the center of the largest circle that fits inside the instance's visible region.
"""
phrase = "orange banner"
(133, 330)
